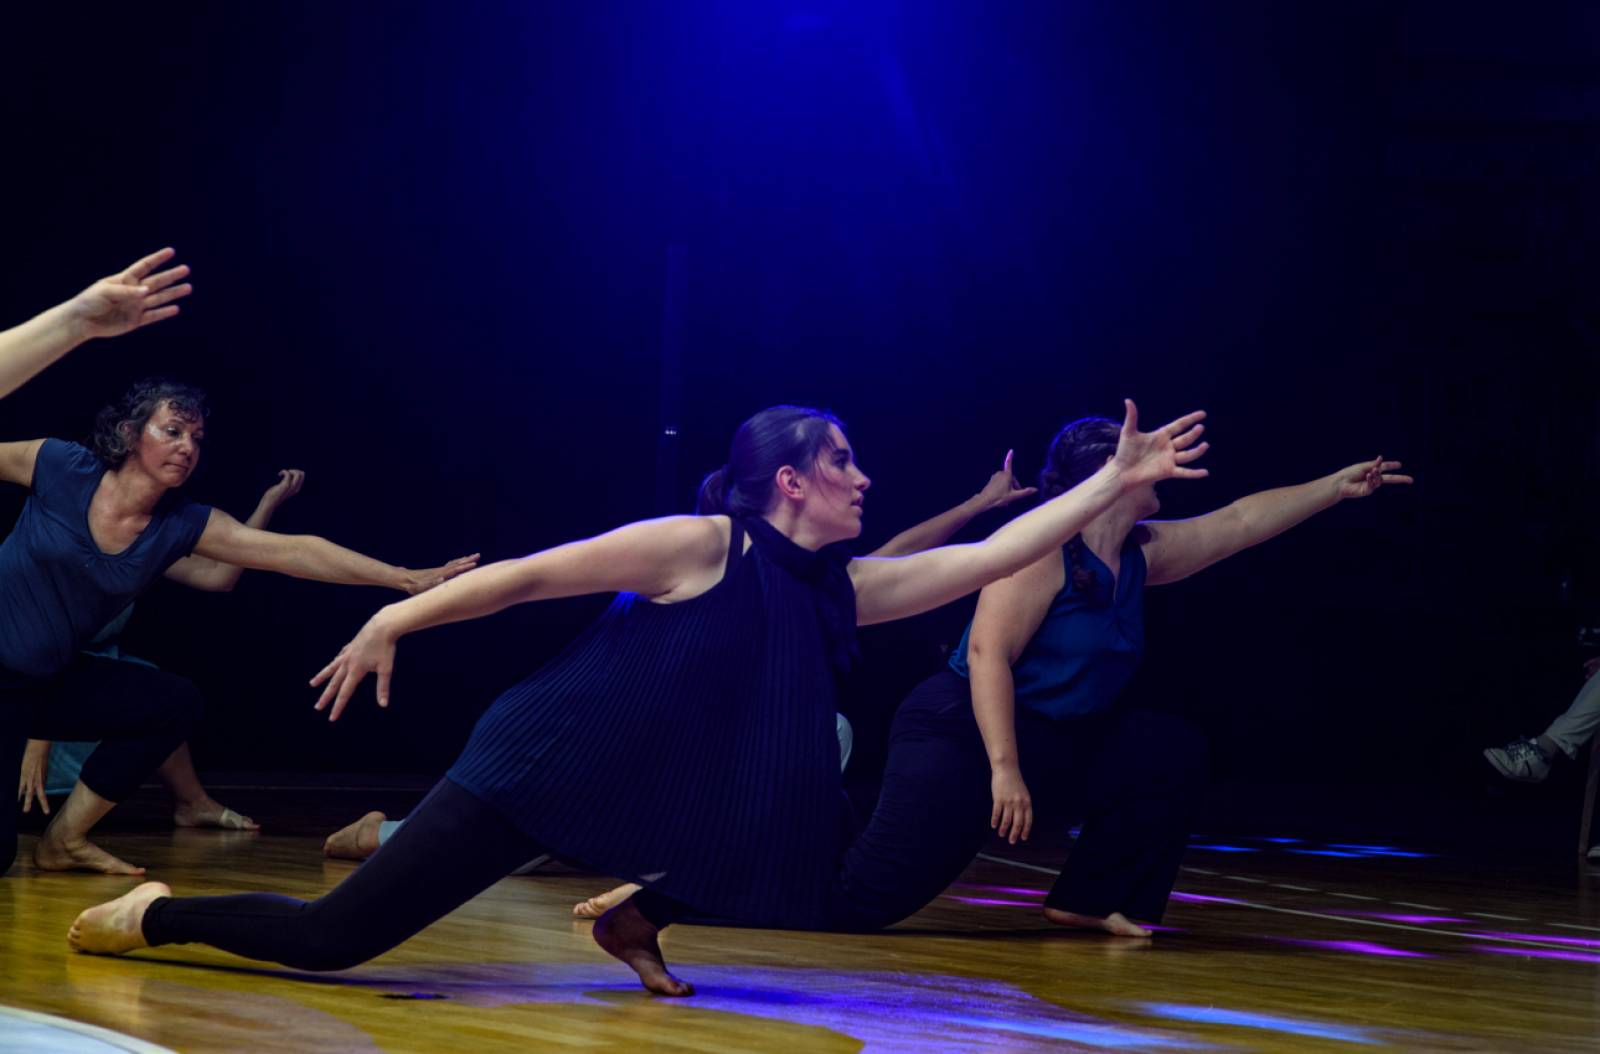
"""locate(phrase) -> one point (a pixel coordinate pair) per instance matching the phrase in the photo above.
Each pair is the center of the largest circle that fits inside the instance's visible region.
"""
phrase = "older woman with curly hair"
(101, 524)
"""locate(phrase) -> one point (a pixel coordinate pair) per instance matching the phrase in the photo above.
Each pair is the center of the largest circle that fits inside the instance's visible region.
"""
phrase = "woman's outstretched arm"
(1001, 490)
(228, 541)
(1177, 549)
(676, 557)
(905, 586)
(116, 304)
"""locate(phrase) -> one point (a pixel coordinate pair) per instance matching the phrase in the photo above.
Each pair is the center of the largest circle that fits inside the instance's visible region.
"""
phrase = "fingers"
(1188, 438)
(1184, 423)
(383, 685)
(1130, 419)
(346, 690)
(143, 267)
(1194, 453)
(1027, 820)
(327, 671)
(158, 315)
(160, 281)
(167, 296)
(1006, 468)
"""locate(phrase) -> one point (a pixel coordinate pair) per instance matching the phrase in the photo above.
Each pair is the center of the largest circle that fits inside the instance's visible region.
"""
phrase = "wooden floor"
(1274, 945)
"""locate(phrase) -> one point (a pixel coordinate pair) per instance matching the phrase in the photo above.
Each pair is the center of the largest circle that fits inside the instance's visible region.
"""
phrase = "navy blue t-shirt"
(57, 589)
(1088, 646)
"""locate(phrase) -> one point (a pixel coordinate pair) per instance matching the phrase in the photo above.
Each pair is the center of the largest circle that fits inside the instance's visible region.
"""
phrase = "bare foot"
(209, 812)
(1116, 923)
(594, 907)
(116, 926)
(627, 935)
(56, 854)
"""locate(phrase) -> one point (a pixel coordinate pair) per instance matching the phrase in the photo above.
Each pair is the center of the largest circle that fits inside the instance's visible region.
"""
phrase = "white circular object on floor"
(47, 1034)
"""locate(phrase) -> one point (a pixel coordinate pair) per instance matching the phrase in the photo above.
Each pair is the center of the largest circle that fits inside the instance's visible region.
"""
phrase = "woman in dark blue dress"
(685, 742)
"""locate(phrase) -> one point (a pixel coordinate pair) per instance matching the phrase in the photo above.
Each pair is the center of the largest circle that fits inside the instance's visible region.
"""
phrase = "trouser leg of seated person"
(139, 714)
(932, 814)
(1578, 722)
(1134, 778)
(454, 847)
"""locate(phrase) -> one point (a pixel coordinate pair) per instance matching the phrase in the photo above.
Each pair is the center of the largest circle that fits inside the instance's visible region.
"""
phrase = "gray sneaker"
(1520, 760)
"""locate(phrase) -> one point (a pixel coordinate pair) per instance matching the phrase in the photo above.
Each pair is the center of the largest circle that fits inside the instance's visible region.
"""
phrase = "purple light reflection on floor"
(1539, 953)
(1330, 852)
(1409, 920)
(1215, 1015)
(1201, 898)
(1225, 848)
(1020, 891)
(1358, 947)
(992, 901)
(888, 1013)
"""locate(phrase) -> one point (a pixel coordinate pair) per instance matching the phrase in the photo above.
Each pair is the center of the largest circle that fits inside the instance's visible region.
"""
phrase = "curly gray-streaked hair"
(117, 427)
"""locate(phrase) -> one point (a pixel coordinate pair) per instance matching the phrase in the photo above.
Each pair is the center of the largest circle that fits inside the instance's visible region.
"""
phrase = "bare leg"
(596, 906)
(627, 935)
(1116, 924)
(65, 845)
(117, 925)
(357, 841)
(191, 805)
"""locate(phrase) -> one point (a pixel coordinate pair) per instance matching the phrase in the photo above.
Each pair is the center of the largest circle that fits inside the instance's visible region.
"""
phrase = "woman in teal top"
(1049, 652)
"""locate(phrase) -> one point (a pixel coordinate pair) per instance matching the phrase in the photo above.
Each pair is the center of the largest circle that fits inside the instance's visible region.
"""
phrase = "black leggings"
(1133, 775)
(450, 849)
(139, 714)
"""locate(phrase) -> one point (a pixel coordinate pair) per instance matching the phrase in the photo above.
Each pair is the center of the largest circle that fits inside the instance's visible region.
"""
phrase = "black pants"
(140, 716)
(451, 848)
(1133, 775)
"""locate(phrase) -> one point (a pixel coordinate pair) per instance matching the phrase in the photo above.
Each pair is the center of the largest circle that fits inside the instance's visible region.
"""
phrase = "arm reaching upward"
(1001, 490)
(213, 576)
(133, 297)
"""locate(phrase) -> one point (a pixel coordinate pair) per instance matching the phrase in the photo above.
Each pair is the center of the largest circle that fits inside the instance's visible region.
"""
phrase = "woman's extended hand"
(35, 774)
(290, 480)
(131, 298)
(1150, 457)
(1003, 488)
(424, 580)
(1364, 479)
(372, 651)
(1012, 817)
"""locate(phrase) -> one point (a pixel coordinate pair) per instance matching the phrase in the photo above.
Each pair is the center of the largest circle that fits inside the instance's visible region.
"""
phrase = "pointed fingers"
(166, 278)
(167, 296)
(1184, 423)
(383, 685)
(160, 314)
(1188, 438)
(143, 267)
(1190, 473)
(1387, 478)
(1006, 468)
(1183, 457)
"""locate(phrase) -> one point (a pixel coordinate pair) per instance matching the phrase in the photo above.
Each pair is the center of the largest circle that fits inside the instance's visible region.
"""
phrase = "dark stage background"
(441, 252)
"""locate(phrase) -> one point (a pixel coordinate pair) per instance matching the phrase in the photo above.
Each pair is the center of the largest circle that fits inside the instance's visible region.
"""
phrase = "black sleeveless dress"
(690, 747)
